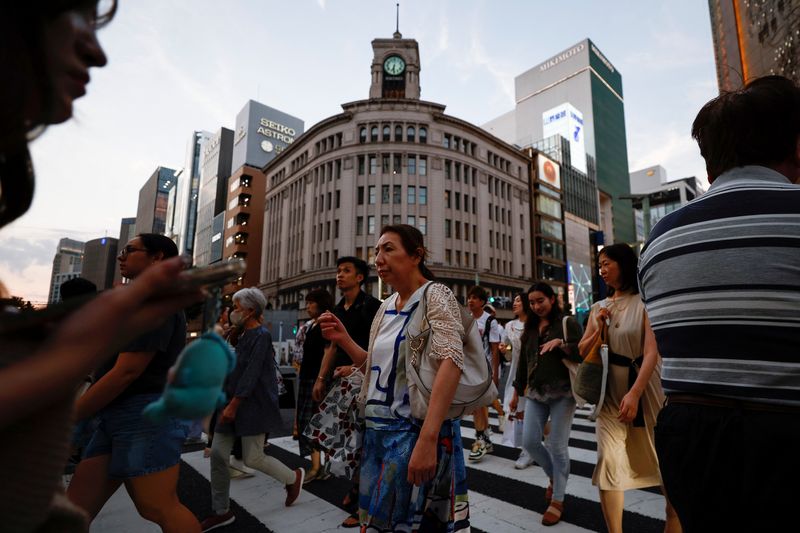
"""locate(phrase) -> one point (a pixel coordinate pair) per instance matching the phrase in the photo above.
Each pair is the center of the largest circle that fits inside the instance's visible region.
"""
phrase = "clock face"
(394, 65)
(267, 146)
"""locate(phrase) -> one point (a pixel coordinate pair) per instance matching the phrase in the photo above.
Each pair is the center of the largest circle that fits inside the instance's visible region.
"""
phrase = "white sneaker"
(501, 424)
(238, 464)
(524, 461)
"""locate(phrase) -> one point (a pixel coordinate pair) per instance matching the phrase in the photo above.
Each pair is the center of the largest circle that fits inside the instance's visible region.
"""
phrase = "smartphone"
(213, 275)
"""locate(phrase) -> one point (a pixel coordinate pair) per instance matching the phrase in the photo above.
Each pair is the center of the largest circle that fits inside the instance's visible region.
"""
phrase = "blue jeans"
(553, 456)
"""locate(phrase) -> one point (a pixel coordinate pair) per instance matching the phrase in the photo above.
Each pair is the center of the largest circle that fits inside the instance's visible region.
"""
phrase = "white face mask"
(238, 318)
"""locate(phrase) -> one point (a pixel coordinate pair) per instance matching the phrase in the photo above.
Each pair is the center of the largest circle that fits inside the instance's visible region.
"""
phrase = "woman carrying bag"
(543, 380)
(412, 471)
(626, 455)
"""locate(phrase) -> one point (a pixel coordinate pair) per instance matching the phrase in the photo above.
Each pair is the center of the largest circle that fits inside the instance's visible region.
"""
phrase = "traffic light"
(294, 330)
(491, 299)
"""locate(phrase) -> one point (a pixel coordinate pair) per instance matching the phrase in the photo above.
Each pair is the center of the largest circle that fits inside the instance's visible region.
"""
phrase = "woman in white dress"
(510, 345)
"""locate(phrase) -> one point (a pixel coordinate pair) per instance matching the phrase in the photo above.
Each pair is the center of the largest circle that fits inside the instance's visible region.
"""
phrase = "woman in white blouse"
(401, 453)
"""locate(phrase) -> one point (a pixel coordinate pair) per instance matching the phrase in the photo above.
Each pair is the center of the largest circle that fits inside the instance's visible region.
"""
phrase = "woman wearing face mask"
(251, 412)
(543, 380)
(124, 448)
(626, 455)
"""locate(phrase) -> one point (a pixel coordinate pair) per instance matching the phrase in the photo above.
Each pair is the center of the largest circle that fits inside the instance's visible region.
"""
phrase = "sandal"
(553, 513)
(548, 493)
(311, 476)
(351, 521)
(350, 501)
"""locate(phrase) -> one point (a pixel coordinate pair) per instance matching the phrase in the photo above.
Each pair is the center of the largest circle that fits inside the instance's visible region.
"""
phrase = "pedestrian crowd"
(699, 332)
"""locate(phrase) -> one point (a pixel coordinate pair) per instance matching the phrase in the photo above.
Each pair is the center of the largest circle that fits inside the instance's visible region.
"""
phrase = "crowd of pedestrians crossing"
(702, 328)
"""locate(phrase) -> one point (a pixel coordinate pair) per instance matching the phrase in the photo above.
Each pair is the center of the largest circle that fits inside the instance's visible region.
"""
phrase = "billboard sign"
(567, 121)
(548, 171)
(261, 134)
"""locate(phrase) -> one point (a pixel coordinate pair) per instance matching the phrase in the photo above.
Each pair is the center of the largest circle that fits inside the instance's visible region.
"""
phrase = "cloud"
(322, 3)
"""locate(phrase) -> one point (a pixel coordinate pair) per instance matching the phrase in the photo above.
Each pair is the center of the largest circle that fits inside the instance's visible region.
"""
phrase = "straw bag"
(475, 386)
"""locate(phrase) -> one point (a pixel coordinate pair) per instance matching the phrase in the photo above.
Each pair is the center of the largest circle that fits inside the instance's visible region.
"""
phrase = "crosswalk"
(502, 499)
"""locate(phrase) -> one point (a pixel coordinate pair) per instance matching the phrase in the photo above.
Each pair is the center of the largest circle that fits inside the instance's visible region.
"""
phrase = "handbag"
(590, 379)
(475, 386)
(572, 366)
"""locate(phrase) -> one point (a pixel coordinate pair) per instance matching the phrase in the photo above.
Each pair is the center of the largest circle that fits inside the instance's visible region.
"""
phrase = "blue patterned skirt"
(388, 502)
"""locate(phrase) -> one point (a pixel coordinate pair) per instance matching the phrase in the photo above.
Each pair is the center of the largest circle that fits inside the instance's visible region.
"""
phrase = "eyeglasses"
(129, 250)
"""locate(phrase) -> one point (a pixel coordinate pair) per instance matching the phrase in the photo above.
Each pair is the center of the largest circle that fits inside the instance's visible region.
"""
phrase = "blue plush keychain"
(194, 387)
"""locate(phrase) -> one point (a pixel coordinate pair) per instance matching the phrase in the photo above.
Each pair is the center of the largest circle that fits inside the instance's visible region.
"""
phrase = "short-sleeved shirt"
(357, 321)
(313, 350)
(495, 333)
(167, 341)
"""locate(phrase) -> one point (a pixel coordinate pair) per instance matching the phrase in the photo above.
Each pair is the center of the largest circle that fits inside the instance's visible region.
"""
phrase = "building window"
(397, 219)
(466, 203)
(373, 164)
(374, 134)
(445, 142)
(370, 225)
(386, 162)
(327, 230)
(423, 196)
(423, 135)
(466, 236)
(397, 194)
(359, 252)
(474, 208)
(359, 225)
(361, 165)
(447, 164)
(335, 229)
(458, 230)
(448, 257)
(423, 225)
(362, 134)
(338, 198)
(458, 200)
(447, 199)
(458, 258)
(371, 195)
(387, 133)
(412, 165)
(411, 220)
(398, 164)
(423, 166)
(398, 133)
(360, 196)
(384, 194)
(384, 220)
(411, 196)
(410, 134)
(447, 229)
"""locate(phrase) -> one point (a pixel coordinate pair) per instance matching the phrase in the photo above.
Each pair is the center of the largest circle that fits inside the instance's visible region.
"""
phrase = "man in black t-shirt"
(356, 310)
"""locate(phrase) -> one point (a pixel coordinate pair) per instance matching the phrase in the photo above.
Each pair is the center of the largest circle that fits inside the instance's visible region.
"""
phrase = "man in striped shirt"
(720, 279)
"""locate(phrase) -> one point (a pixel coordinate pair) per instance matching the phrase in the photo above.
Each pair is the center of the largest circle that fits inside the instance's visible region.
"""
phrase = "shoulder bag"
(475, 386)
(572, 366)
(592, 373)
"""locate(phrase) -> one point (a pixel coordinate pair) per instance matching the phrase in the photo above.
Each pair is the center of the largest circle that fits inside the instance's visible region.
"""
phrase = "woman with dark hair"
(124, 448)
(412, 471)
(48, 49)
(626, 455)
(318, 301)
(543, 379)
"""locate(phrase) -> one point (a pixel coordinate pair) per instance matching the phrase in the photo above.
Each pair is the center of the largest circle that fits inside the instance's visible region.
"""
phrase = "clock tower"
(395, 68)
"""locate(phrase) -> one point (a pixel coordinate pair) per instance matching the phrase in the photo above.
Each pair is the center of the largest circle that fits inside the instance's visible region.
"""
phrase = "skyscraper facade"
(99, 260)
(127, 231)
(578, 94)
(187, 191)
(67, 264)
(212, 198)
(754, 38)
(151, 213)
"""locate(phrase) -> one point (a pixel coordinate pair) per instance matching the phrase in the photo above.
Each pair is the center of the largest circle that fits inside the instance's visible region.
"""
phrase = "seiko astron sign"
(262, 133)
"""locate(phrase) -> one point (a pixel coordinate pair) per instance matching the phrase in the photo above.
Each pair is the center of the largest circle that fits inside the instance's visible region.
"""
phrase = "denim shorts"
(136, 446)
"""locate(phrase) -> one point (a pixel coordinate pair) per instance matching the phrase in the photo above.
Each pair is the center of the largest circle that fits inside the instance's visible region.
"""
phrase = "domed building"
(394, 158)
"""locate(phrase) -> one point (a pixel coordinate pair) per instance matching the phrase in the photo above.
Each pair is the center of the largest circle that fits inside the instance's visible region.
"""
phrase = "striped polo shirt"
(720, 278)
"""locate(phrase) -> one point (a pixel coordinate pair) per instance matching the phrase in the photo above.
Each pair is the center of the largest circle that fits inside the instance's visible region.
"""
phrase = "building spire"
(397, 34)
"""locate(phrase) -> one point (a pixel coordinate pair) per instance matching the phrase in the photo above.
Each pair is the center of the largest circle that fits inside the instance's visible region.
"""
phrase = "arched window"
(411, 133)
(387, 133)
(362, 134)
(398, 133)
(423, 135)
(374, 134)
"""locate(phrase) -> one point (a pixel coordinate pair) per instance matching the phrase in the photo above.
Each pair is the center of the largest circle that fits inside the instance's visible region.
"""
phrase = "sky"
(185, 65)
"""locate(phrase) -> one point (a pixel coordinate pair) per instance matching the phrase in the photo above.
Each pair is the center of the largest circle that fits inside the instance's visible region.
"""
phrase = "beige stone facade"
(389, 160)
